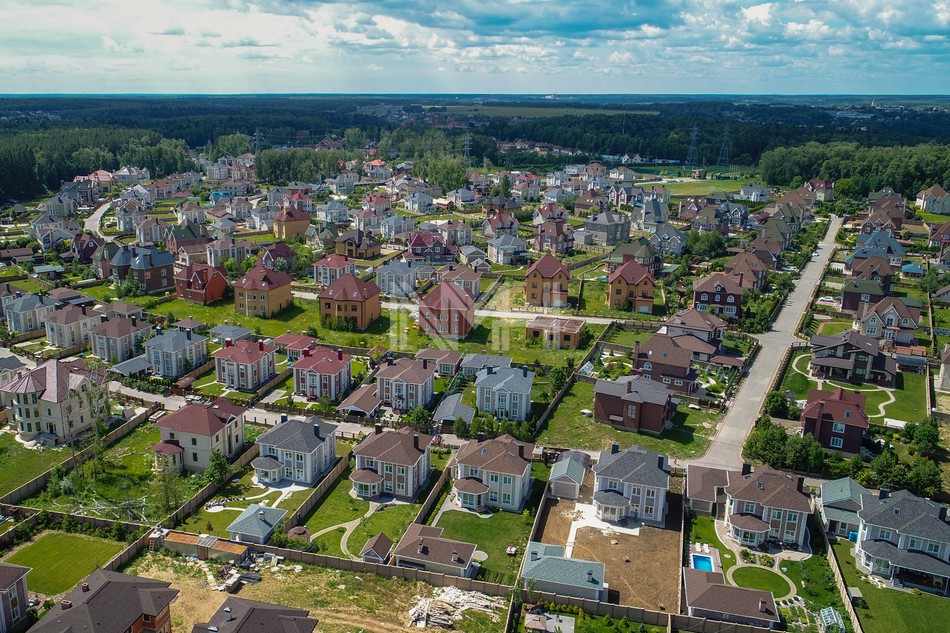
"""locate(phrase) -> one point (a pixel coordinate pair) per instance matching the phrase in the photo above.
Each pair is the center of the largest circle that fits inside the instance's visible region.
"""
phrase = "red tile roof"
(201, 419)
(349, 287)
(261, 278)
(548, 266)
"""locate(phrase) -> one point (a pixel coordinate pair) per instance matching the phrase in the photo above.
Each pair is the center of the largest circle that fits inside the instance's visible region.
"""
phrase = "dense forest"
(46, 140)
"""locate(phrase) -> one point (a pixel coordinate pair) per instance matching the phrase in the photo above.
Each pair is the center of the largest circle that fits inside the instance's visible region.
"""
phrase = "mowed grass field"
(60, 560)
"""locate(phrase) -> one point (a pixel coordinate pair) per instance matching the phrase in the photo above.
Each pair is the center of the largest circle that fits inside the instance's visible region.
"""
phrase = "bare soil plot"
(555, 522)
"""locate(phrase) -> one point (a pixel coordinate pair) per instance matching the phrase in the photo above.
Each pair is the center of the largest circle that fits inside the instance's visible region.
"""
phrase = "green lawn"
(18, 465)
(567, 427)
(702, 529)
(834, 326)
(59, 560)
(796, 382)
(337, 506)
(703, 187)
(911, 398)
(630, 338)
(890, 611)
(758, 578)
(813, 578)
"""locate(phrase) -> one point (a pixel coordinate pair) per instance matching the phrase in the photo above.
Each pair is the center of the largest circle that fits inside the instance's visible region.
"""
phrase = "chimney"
(614, 448)
(590, 576)
(260, 513)
(455, 555)
(425, 363)
(740, 279)
(339, 353)
(306, 353)
(103, 318)
(378, 429)
(491, 370)
(283, 418)
(260, 345)
(188, 334)
(524, 372)
(884, 493)
(228, 342)
(521, 450)
(83, 308)
(746, 469)
(422, 547)
(762, 606)
(800, 485)
(135, 320)
(66, 604)
(389, 361)
(534, 555)
(415, 441)
(481, 436)
(85, 586)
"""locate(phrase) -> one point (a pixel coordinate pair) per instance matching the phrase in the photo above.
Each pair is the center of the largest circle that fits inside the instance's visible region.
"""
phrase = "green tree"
(418, 418)
(130, 286)
(217, 470)
(777, 405)
(558, 378)
(459, 427)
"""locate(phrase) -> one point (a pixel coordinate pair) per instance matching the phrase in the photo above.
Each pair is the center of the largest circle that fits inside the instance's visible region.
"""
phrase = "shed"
(567, 474)
(377, 549)
(256, 524)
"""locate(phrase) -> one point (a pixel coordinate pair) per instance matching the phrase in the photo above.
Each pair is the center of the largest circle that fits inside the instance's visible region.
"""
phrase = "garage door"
(564, 489)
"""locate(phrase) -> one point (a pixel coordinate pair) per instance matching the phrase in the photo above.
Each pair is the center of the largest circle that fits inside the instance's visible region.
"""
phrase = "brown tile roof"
(444, 356)
(707, 591)
(661, 348)
(503, 454)
(119, 327)
(554, 324)
(349, 287)
(835, 404)
(769, 487)
(632, 272)
(404, 447)
(261, 278)
(201, 419)
(53, 380)
(548, 266)
(728, 283)
(702, 481)
(406, 369)
(448, 296)
(245, 352)
(9, 574)
(694, 319)
(425, 544)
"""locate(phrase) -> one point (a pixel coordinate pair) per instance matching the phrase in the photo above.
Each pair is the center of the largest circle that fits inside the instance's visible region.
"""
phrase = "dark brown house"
(837, 419)
(635, 403)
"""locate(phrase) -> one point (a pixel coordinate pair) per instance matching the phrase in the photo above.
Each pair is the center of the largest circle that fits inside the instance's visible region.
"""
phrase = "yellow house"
(262, 292)
(291, 223)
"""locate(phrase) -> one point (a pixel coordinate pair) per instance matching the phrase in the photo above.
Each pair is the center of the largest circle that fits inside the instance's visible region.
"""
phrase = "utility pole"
(692, 158)
(467, 148)
(724, 149)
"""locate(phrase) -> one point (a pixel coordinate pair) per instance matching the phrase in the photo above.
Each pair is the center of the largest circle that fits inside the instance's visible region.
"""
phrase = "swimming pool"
(702, 563)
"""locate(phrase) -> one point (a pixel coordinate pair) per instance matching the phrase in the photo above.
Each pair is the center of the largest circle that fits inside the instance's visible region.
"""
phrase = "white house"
(493, 473)
(631, 483)
(504, 392)
(296, 450)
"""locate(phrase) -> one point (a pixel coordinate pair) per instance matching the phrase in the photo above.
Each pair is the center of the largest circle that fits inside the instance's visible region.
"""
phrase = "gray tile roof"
(172, 341)
(636, 465)
(571, 466)
(917, 561)
(908, 514)
(298, 436)
(233, 332)
(547, 563)
(511, 379)
(451, 408)
(479, 361)
(634, 389)
(252, 523)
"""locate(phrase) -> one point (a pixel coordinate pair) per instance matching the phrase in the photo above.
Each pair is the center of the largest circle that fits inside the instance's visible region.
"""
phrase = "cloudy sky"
(484, 46)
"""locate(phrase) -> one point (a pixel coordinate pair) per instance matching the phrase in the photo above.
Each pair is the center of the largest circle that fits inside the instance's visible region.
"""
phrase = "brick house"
(720, 294)
(429, 247)
(262, 292)
(191, 434)
(14, 595)
(663, 360)
(554, 236)
(245, 365)
(201, 283)
(874, 268)
(856, 293)
(546, 283)
(837, 419)
(349, 298)
(703, 325)
(391, 463)
(322, 372)
(290, 223)
(357, 244)
(464, 277)
(555, 333)
(154, 270)
(447, 312)
(631, 287)
(635, 403)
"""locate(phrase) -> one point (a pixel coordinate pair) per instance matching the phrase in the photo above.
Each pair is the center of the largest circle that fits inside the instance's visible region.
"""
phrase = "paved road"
(725, 450)
(91, 224)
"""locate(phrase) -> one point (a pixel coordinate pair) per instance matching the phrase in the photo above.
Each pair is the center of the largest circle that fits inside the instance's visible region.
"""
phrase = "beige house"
(192, 433)
(262, 292)
(392, 464)
(493, 474)
(70, 325)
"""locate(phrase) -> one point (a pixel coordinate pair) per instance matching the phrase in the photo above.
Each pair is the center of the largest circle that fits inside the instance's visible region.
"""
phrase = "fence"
(39, 482)
(25, 336)
(434, 495)
(584, 262)
(176, 517)
(485, 296)
(293, 520)
(840, 583)
(270, 384)
(783, 367)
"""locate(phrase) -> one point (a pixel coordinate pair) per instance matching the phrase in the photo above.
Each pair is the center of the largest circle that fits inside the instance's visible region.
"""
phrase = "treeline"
(36, 161)
(859, 169)
(281, 166)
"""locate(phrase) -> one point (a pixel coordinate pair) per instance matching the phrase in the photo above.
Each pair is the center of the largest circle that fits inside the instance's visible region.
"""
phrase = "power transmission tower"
(724, 149)
(467, 148)
(692, 158)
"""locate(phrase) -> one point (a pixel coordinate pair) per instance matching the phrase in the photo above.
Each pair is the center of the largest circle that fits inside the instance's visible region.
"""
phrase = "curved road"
(725, 449)
(91, 224)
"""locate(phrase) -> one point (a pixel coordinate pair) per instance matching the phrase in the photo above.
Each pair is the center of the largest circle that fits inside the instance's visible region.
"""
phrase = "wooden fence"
(39, 482)
(23, 337)
(175, 518)
(835, 565)
(295, 517)
(434, 495)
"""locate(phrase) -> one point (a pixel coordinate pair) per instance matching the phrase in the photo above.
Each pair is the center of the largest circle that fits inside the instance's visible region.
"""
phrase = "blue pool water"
(702, 563)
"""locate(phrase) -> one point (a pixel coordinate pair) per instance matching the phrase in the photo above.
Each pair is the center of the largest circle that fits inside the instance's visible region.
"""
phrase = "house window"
(933, 548)
(749, 507)
(884, 535)
(506, 480)
(836, 442)
(837, 427)
(914, 544)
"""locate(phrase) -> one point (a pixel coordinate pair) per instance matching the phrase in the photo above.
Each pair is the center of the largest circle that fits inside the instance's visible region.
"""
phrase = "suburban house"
(874, 268)
(636, 403)
(350, 299)
(293, 345)
(58, 398)
(220, 251)
(507, 250)
(555, 333)
(107, 601)
(934, 199)
(391, 463)
(856, 293)
(893, 249)
(173, 353)
(271, 255)
(150, 231)
(455, 232)
(668, 241)
(836, 419)
(245, 365)
(298, 451)
(191, 434)
(766, 504)
(27, 312)
(262, 292)
(499, 224)
(708, 596)
(664, 359)
(464, 277)
(493, 473)
(70, 325)
(447, 361)
(290, 223)
(405, 383)
(504, 392)
(256, 524)
(904, 539)
(331, 267)
(398, 278)
(201, 283)
(853, 357)
(750, 270)
(429, 247)
(840, 501)
(321, 372)
(719, 293)
(152, 269)
(357, 244)
(890, 320)
(705, 488)
(691, 322)
(118, 339)
(546, 283)
(447, 312)
(631, 287)
(608, 228)
(14, 596)
(651, 216)
(631, 483)
(554, 236)
(238, 615)
(547, 568)
(423, 547)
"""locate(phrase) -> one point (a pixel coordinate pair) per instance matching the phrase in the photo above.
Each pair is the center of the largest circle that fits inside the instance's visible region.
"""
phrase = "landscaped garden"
(59, 560)
(19, 465)
(760, 578)
(568, 427)
(702, 529)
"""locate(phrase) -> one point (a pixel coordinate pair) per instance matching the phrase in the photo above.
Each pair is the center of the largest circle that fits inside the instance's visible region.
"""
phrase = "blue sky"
(481, 46)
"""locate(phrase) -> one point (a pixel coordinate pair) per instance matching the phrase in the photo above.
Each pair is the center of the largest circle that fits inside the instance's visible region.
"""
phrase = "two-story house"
(191, 434)
(70, 325)
(636, 403)
(853, 357)
(876, 269)
(391, 463)
(857, 294)
(398, 278)
(631, 484)
(493, 473)
(262, 292)
(118, 339)
(499, 224)
(27, 312)
(447, 312)
(350, 299)
(201, 283)
(464, 277)
(405, 384)
(608, 228)
(631, 287)
(173, 353)
(836, 419)
(555, 237)
(766, 504)
(331, 267)
(321, 372)
(546, 283)
(705, 326)
(668, 241)
(507, 250)
(719, 293)
(663, 359)
(504, 392)
(429, 247)
(357, 244)
(891, 321)
(298, 451)
(245, 365)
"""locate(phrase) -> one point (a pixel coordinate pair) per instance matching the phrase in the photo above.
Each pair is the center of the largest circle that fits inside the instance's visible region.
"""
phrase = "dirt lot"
(343, 602)
(556, 521)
